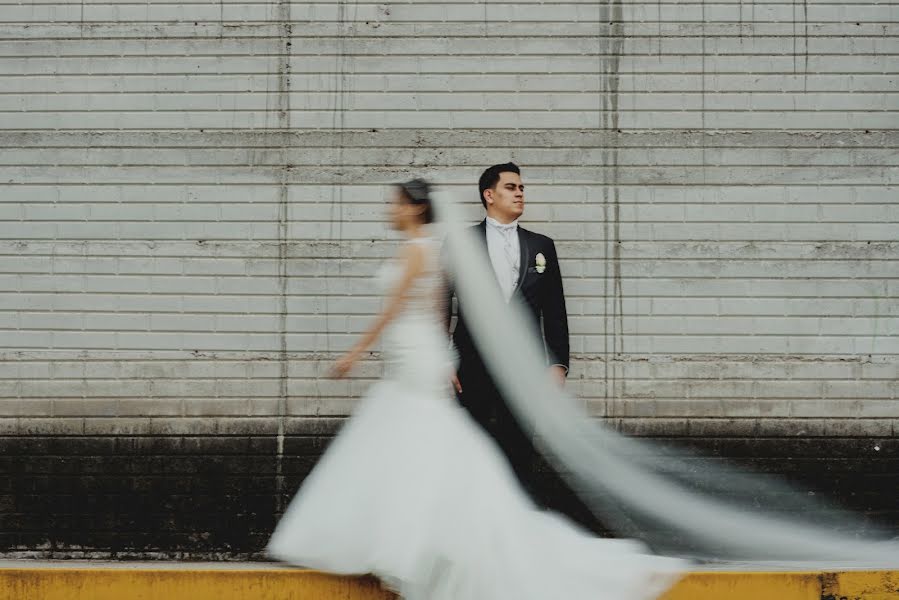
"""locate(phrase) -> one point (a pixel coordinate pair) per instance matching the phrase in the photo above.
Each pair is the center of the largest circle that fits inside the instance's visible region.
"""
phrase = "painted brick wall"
(192, 197)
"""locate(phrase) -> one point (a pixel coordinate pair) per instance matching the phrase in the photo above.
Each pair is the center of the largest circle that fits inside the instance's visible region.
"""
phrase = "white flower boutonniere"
(540, 262)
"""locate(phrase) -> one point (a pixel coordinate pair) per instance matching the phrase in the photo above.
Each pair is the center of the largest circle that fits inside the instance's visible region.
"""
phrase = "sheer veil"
(635, 486)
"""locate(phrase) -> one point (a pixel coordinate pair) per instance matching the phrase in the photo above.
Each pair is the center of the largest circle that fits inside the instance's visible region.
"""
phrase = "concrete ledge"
(239, 581)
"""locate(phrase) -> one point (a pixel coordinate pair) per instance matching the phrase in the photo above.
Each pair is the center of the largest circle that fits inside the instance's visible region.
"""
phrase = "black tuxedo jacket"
(540, 292)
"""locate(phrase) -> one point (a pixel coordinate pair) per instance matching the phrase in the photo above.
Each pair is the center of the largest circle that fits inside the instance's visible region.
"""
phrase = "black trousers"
(537, 476)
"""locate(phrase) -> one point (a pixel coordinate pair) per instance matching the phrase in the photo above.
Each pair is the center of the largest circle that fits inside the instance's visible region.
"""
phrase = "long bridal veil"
(634, 486)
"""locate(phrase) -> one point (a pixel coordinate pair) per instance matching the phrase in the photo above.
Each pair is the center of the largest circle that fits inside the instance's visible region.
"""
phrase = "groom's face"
(505, 201)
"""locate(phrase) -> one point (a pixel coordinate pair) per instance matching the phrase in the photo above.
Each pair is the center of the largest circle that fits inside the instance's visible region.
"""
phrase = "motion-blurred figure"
(413, 490)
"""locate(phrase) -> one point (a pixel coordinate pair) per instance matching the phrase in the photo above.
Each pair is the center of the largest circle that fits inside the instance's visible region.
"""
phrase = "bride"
(413, 491)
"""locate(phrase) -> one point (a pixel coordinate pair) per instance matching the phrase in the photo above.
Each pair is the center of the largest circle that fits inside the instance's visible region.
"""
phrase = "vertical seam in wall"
(805, 45)
(604, 127)
(617, 48)
(611, 17)
(286, 27)
(338, 122)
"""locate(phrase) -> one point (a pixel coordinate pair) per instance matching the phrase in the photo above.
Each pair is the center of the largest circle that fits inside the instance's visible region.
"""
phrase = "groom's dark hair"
(490, 177)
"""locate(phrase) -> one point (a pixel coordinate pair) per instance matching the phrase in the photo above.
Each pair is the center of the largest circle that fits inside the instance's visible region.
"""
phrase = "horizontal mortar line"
(640, 152)
(633, 334)
(566, 260)
(336, 74)
(341, 133)
(249, 40)
(376, 222)
(383, 92)
(275, 240)
(490, 130)
(342, 204)
(380, 222)
(362, 203)
(364, 277)
(108, 147)
(278, 165)
(598, 185)
(214, 332)
(706, 140)
(637, 398)
(479, 91)
(656, 277)
(370, 315)
(630, 379)
(531, 165)
(127, 398)
(274, 357)
(665, 297)
(448, 110)
(230, 22)
(251, 378)
(190, 453)
(518, 130)
(476, 22)
(325, 316)
(666, 30)
(433, 3)
(128, 453)
(248, 379)
(380, 259)
(325, 298)
(450, 74)
(457, 55)
(591, 73)
(324, 313)
(335, 331)
(276, 40)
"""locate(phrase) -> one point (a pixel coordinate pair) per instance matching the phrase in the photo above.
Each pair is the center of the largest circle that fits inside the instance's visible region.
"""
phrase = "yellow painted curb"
(774, 585)
(176, 584)
(185, 583)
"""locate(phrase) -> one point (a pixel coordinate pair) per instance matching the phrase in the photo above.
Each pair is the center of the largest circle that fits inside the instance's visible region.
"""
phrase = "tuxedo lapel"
(482, 231)
(482, 235)
(523, 264)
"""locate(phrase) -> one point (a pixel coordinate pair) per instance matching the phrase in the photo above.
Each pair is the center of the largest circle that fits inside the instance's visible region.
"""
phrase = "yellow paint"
(172, 584)
(88, 583)
(747, 586)
(870, 585)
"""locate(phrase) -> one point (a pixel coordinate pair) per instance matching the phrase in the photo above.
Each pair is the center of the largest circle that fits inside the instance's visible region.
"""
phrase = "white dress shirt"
(505, 256)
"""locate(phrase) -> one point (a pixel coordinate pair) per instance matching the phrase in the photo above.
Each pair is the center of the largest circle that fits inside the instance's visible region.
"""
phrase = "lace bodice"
(415, 343)
(425, 298)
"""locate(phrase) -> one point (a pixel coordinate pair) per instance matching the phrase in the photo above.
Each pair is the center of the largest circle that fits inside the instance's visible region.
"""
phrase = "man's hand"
(456, 385)
(558, 373)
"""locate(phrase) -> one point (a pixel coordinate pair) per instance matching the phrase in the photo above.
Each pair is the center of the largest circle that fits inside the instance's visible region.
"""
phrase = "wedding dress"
(413, 491)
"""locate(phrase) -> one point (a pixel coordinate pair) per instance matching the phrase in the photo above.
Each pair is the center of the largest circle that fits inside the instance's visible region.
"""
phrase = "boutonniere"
(540, 262)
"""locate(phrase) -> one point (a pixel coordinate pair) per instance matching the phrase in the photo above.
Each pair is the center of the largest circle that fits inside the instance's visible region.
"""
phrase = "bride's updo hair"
(418, 193)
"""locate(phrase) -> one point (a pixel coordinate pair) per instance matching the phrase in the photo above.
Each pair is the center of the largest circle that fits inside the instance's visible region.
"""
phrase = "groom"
(526, 267)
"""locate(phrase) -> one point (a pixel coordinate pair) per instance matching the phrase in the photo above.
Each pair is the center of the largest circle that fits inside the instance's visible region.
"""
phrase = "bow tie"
(504, 227)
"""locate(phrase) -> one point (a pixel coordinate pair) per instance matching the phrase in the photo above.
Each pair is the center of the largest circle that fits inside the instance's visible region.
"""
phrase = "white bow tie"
(503, 227)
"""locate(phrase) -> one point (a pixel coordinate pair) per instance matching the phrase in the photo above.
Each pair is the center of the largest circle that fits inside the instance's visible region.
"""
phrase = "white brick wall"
(192, 196)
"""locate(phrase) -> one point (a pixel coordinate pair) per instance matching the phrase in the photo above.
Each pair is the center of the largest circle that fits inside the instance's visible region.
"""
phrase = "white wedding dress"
(413, 491)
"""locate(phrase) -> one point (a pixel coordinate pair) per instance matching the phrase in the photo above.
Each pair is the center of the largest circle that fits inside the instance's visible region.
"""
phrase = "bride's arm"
(413, 259)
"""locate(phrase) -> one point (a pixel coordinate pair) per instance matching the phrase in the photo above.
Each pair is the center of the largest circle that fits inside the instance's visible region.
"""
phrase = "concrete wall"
(192, 202)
